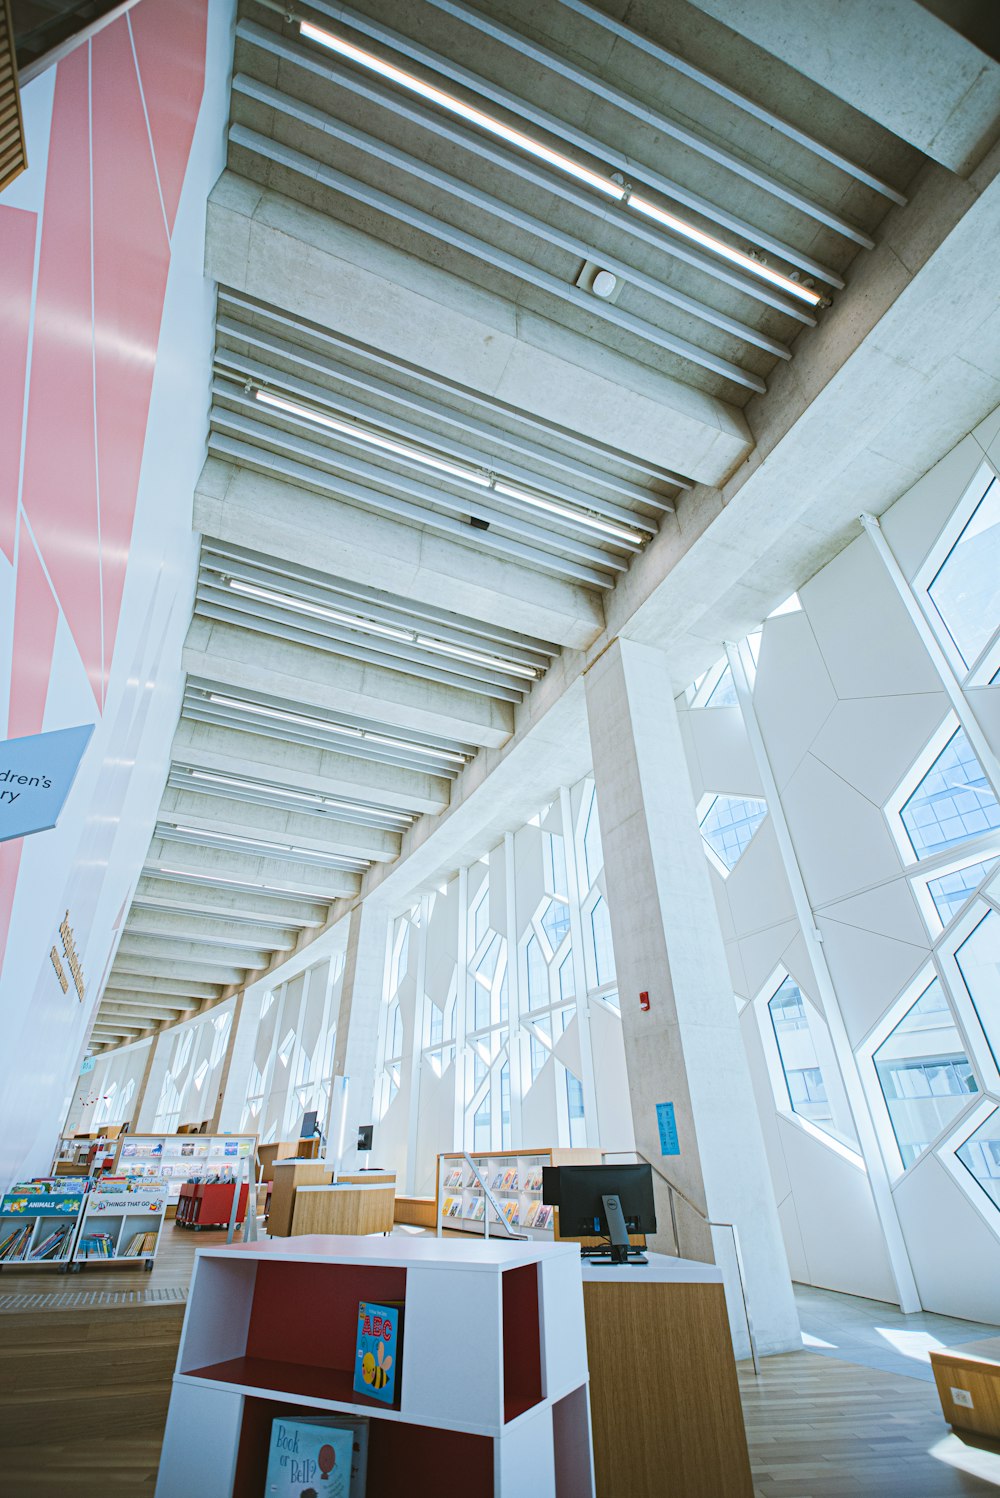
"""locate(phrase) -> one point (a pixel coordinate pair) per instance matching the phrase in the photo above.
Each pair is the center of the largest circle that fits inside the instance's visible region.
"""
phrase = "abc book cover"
(308, 1461)
(377, 1360)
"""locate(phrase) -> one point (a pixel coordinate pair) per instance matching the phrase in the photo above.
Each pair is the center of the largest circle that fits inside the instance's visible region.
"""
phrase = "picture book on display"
(357, 1426)
(379, 1351)
(309, 1457)
(543, 1217)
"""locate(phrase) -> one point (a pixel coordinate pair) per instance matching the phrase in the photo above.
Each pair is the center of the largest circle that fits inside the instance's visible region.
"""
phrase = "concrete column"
(356, 1051)
(215, 1122)
(687, 1049)
(140, 1095)
(152, 1083)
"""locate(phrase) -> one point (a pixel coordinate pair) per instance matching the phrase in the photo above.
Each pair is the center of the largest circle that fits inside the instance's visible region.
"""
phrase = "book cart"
(121, 1221)
(39, 1222)
(514, 1179)
(491, 1394)
(179, 1157)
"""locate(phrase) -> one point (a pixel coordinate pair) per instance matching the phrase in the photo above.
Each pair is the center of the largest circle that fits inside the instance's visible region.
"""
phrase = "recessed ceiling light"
(619, 191)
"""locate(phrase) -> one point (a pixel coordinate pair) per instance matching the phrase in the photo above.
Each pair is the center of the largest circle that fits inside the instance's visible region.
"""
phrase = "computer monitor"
(366, 1134)
(585, 1196)
(308, 1128)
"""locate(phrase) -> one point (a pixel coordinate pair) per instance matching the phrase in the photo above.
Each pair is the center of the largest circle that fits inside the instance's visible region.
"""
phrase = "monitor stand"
(621, 1251)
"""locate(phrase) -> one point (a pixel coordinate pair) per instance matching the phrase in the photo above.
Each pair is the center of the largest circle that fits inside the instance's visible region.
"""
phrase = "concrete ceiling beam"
(869, 56)
(244, 660)
(188, 995)
(322, 834)
(129, 964)
(286, 875)
(208, 932)
(171, 897)
(281, 519)
(185, 952)
(209, 746)
(125, 997)
(111, 1013)
(342, 278)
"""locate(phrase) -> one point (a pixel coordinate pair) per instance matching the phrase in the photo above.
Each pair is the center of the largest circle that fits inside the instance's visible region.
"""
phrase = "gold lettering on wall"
(72, 959)
(60, 974)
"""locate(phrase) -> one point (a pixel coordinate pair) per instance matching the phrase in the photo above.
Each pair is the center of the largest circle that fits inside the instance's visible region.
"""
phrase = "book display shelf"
(514, 1178)
(209, 1205)
(183, 1157)
(490, 1384)
(39, 1222)
(121, 1221)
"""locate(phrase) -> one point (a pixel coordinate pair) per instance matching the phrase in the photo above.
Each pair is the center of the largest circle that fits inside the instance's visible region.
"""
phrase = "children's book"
(498, 1180)
(543, 1218)
(531, 1214)
(510, 1212)
(358, 1429)
(476, 1208)
(379, 1351)
(309, 1458)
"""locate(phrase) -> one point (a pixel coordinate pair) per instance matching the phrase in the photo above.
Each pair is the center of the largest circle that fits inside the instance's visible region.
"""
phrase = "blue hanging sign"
(36, 774)
(666, 1123)
(89, 1062)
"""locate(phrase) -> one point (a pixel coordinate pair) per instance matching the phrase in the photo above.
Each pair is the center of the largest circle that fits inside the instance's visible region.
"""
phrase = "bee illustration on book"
(376, 1373)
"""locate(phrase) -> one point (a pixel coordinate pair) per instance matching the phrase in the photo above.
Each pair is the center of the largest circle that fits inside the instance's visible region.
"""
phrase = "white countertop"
(662, 1269)
(399, 1251)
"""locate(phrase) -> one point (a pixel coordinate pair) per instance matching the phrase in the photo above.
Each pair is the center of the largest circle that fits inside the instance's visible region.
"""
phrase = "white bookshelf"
(270, 1330)
(515, 1180)
(120, 1208)
(178, 1157)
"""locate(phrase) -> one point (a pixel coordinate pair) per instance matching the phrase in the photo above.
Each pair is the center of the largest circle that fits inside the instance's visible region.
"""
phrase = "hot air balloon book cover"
(379, 1351)
(305, 1458)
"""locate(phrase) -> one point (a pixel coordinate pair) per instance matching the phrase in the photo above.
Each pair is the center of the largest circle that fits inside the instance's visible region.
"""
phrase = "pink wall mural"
(108, 217)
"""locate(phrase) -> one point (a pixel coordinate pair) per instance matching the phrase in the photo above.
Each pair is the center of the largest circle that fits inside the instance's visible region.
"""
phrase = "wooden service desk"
(344, 1208)
(664, 1396)
(289, 1175)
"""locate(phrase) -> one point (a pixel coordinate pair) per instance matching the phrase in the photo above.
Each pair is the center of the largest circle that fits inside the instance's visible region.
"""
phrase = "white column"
(587, 1079)
(356, 1051)
(687, 1049)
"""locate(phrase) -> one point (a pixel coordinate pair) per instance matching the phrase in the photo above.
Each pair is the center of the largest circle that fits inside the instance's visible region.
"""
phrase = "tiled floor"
(877, 1335)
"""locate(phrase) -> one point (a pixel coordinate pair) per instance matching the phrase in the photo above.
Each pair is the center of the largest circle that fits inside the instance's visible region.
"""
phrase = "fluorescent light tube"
(476, 656)
(275, 712)
(719, 247)
(270, 889)
(410, 748)
(353, 621)
(551, 157)
(254, 785)
(375, 439)
(354, 733)
(458, 107)
(232, 837)
(567, 512)
(481, 477)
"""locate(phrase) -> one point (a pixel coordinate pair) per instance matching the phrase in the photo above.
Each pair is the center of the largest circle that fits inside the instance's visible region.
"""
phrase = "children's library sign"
(36, 775)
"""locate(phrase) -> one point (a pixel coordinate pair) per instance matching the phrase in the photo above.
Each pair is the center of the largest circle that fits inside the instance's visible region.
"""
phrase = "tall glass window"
(978, 961)
(966, 589)
(925, 1075)
(798, 1051)
(952, 803)
(980, 1154)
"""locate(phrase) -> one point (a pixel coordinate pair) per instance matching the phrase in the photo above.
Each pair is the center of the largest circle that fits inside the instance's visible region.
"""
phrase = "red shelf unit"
(209, 1204)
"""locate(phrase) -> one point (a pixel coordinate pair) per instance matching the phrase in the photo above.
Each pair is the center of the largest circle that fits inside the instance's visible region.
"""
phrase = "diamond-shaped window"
(925, 1075)
(728, 823)
(952, 803)
(951, 892)
(555, 923)
(980, 1154)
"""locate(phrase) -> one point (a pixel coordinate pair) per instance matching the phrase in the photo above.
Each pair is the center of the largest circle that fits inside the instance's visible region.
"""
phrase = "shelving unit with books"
(177, 1158)
(121, 1221)
(514, 1178)
(272, 1332)
(39, 1222)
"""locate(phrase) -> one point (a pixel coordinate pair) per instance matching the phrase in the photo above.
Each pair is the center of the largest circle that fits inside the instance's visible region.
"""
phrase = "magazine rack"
(493, 1380)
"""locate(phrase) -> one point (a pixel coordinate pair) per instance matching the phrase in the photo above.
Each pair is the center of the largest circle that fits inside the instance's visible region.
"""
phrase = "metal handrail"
(675, 1190)
(491, 1201)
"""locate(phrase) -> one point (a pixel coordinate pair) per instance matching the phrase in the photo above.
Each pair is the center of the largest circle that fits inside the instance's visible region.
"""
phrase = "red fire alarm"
(644, 1002)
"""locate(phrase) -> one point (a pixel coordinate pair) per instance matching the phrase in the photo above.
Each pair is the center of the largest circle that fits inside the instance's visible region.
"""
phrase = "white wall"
(847, 699)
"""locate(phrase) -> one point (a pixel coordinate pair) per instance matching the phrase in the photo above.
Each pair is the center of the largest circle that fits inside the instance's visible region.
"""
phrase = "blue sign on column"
(36, 774)
(666, 1123)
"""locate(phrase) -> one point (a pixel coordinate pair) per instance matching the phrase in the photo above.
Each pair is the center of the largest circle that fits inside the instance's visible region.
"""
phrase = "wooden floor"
(84, 1392)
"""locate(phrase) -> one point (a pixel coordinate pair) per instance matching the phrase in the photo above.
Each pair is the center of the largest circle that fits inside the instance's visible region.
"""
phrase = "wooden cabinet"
(343, 1207)
(288, 1175)
(664, 1396)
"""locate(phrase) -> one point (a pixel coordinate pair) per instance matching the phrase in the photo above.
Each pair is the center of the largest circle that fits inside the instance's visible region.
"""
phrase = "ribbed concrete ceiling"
(433, 448)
